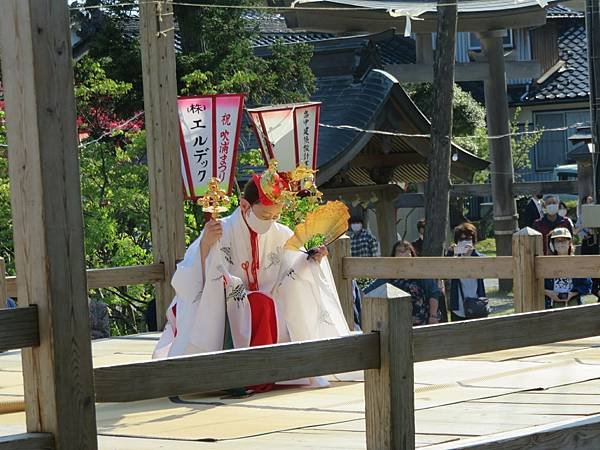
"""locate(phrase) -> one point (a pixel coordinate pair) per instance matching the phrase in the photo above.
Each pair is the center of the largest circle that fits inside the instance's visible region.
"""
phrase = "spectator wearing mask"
(465, 239)
(424, 293)
(362, 242)
(561, 292)
(534, 210)
(563, 211)
(551, 220)
(418, 244)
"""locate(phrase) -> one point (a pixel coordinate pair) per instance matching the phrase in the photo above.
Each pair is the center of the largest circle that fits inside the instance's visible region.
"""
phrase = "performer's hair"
(251, 192)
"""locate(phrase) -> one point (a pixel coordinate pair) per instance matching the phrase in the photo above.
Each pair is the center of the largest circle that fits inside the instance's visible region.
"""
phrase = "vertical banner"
(209, 136)
(288, 133)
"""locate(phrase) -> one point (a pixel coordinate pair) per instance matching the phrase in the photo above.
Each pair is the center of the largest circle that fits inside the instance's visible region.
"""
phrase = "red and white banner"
(209, 134)
(288, 133)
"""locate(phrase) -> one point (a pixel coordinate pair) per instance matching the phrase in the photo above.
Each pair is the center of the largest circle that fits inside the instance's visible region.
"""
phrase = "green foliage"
(521, 145)
(468, 114)
(469, 126)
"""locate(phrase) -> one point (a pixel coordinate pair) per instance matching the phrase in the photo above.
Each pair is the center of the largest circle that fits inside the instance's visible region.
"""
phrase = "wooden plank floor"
(456, 399)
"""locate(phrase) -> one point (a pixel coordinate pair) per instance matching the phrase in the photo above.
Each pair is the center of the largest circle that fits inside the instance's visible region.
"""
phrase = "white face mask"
(563, 212)
(562, 248)
(259, 226)
(356, 227)
(552, 209)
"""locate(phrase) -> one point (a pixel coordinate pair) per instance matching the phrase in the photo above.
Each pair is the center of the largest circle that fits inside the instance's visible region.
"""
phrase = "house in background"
(557, 98)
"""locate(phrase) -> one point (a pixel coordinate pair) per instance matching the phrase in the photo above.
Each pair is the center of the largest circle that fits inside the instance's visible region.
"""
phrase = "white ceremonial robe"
(306, 302)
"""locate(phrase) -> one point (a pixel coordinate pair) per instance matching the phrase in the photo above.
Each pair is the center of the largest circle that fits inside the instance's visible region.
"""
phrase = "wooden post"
(3, 289)
(389, 390)
(48, 224)
(338, 251)
(502, 172)
(386, 220)
(592, 26)
(162, 138)
(438, 179)
(424, 43)
(528, 290)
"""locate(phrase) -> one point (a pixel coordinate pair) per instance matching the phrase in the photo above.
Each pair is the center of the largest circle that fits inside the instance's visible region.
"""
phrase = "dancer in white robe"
(238, 267)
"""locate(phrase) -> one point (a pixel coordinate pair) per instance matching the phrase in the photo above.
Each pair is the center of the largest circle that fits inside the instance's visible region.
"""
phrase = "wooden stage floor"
(456, 399)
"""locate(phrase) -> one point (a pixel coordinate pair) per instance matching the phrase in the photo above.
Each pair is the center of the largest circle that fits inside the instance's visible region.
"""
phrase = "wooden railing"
(111, 277)
(387, 350)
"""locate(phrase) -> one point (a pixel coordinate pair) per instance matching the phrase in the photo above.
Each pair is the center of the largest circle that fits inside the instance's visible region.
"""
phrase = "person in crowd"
(10, 303)
(561, 292)
(362, 241)
(465, 240)
(551, 220)
(424, 293)
(563, 211)
(418, 244)
(534, 210)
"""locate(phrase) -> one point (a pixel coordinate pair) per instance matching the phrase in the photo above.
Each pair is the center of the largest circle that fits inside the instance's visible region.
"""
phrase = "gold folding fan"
(329, 220)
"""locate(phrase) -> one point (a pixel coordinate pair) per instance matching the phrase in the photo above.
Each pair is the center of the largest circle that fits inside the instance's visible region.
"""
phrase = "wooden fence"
(386, 350)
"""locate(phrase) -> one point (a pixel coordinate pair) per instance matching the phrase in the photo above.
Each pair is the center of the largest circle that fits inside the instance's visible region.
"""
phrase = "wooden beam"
(162, 137)
(575, 434)
(390, 160)
(424, 49)
(520, 188)
(44, 175)
(389, 388)
(385, 212)
(111, 277)
(337, 252)
(428, 267)
(235, 368)
(471, 71)
(27, 441)
(350, 192)
(501, 333)
(581, 266)
(18, 328)
(375, 21)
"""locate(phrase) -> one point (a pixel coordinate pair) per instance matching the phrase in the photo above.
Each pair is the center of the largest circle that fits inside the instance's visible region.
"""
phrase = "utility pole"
(592, 26)
(438, 180)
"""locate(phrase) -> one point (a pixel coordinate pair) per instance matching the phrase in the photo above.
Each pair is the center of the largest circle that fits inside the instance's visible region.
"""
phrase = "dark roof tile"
(573, 79)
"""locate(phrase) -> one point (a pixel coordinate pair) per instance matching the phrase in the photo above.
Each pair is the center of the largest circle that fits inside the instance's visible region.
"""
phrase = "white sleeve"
(188, 281)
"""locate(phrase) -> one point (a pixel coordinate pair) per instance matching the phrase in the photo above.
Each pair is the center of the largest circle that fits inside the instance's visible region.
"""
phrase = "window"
(475, 44)
(551, 150)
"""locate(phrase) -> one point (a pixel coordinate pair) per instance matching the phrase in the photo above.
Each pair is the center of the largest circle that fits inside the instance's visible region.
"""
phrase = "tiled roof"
(362, 105)
(397, 50)
(562, 12)
(571, 82)
(266, 39)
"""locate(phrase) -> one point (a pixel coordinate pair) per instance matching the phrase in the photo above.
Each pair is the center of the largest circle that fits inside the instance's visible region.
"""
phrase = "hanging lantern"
(288, 133)
(209, 135)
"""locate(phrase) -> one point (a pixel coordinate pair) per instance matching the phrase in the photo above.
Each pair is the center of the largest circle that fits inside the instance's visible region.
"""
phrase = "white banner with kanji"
(209, 136)
(288, 133)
